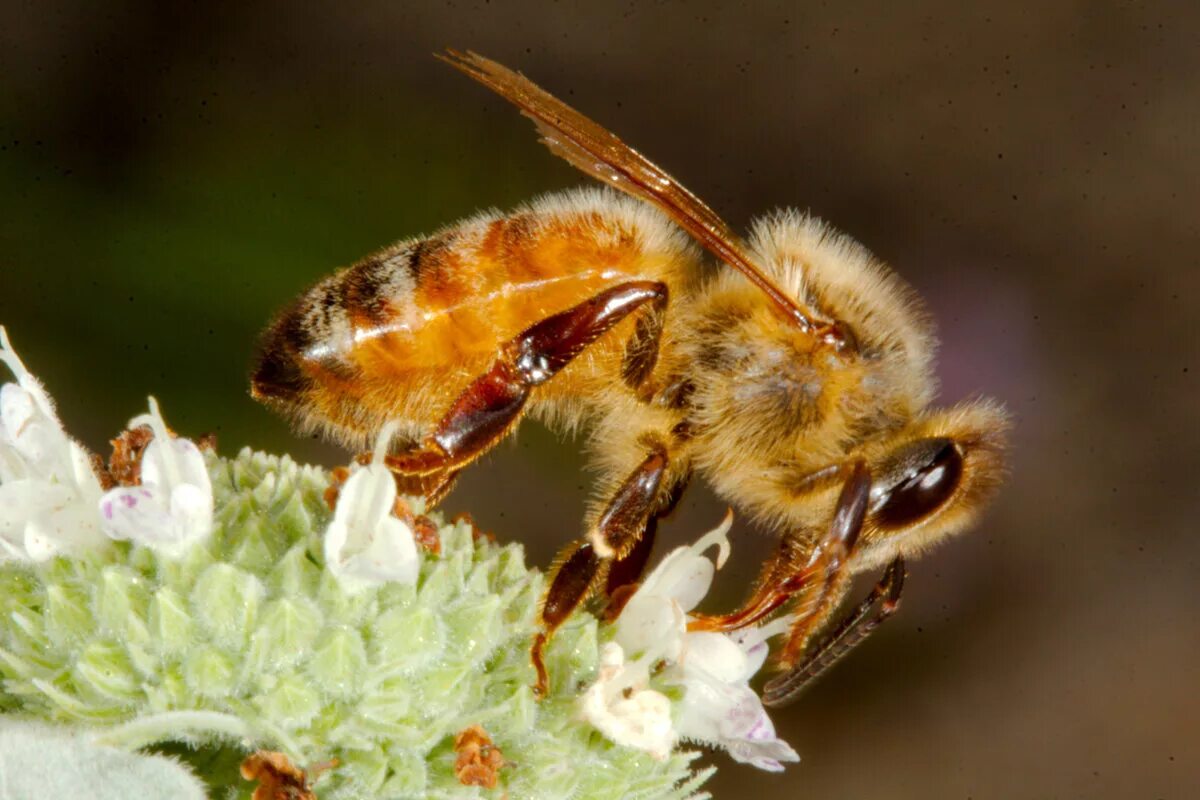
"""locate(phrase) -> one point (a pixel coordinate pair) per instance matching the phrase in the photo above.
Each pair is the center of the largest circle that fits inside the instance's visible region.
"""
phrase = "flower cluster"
(50, 493)
(51, 499)
(714, 669)
(219, 601)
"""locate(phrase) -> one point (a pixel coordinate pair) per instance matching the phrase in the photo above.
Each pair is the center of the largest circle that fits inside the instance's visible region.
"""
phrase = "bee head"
(932, 479)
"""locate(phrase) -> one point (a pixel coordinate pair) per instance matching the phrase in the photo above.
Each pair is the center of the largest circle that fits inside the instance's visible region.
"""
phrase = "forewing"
(577, 139)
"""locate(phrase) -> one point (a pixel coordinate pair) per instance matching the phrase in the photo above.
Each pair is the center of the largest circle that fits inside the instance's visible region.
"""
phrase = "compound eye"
(922, 490)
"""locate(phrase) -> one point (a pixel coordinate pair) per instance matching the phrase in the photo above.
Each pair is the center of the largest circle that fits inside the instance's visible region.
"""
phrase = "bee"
(797, 381)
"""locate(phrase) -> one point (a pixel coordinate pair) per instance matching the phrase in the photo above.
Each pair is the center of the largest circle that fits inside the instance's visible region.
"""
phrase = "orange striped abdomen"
(399, 334)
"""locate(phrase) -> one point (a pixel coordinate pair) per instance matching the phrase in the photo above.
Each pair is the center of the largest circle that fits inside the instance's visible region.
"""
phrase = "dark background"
(168, 178)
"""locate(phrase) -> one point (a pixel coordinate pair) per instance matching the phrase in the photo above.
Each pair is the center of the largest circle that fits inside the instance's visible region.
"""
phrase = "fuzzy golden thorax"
(776, 411)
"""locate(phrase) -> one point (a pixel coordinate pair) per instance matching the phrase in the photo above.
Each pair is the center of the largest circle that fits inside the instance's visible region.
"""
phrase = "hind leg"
(488, 409)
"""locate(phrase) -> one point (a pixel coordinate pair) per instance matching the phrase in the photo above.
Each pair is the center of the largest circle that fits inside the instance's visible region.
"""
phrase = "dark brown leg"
(821, 587)
(574, 573)
(493, 403)
(813, 577)
(578, 568)
(432, 487)
(852, 631)
(625, 573)
(641, 351)
(628, 569)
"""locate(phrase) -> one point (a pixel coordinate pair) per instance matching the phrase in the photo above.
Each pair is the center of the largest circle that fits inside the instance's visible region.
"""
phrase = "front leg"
(815, 576)
(884, 599)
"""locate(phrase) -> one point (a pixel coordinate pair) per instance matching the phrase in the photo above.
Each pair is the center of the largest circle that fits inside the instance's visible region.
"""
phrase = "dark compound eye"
(921, 490)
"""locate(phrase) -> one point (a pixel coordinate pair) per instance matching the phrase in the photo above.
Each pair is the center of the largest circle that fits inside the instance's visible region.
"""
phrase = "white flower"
(715, 669)
(172, 509)
(48, 490)
(620, 706)
(653, 622)
(719, 706)
(366, 544)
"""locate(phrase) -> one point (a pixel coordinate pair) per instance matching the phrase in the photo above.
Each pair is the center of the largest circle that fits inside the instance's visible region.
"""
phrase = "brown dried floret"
(125, 463)
(278, 778)
(337, 479)
(426, 533)
(479, 760)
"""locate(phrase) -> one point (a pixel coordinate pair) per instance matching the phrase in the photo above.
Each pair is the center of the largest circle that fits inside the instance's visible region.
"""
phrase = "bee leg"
(769, 593)
(493, 403)
(432, 487)
(815, 576)
(624, 573)
(615, 535)
(574, 574)
(641, 351)
(849, 633)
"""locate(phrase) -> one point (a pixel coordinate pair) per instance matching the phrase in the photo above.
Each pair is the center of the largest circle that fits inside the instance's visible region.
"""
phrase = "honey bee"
(798, 383)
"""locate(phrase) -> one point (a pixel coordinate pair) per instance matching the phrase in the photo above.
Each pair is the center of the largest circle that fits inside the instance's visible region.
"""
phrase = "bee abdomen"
(422, 318)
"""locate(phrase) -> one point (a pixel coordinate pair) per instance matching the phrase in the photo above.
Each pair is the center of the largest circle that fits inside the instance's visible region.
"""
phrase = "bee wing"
(598, 152)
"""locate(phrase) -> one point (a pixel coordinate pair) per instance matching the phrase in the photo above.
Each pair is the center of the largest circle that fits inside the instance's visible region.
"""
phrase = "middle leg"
(615, 535)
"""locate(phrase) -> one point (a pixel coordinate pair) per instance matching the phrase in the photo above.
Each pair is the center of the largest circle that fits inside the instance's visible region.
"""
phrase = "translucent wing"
(599, 153)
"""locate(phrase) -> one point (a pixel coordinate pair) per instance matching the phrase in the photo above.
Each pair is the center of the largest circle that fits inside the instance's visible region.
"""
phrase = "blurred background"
(172, 175)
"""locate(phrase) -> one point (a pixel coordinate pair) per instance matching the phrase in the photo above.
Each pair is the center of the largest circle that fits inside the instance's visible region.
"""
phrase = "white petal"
(753, 641)
(172, 509)
(68, 529)
(726, 714)
(17, 408)
(686, 573)
(653, 626)
(191, 510)
(642, 721)
(761, 748)
(192, 468)
(718, 537)
(24, 499)
(12, 552)
(682, 576)
(84, 476)
(39, 520)
(37, 438)
(39, 542)
(365, 545)
(26, 380)
(627, 713)
(390, 555)
(369, 496)
(174, 462)
(705, 706)
(139, 514)
(717, 656)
